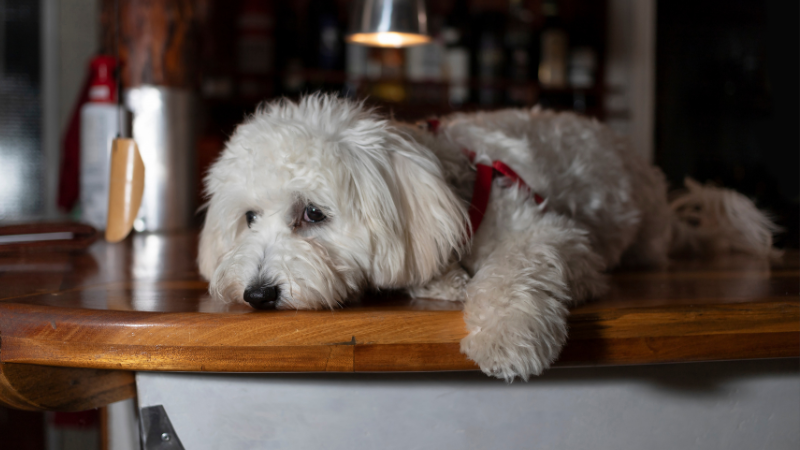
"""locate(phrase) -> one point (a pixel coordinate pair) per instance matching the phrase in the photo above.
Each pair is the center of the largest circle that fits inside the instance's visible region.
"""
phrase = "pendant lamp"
(388, 23)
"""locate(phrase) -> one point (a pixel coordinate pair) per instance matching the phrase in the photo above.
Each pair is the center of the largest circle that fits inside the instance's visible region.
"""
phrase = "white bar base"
(731, 405)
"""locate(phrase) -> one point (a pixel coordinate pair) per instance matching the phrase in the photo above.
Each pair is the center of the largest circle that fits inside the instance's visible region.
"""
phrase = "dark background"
(727, 90)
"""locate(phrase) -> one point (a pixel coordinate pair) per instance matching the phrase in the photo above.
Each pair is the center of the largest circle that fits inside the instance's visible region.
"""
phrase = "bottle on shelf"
(374, 63)
(288, 52)
(521, 54)
(325, 50)
(424, 66)
(489, 56)
(554, 44)
(390, 86)
(99, 125)
(455, 35)
(356, 69)
(255, 47)
(217, 61)
(582, 67)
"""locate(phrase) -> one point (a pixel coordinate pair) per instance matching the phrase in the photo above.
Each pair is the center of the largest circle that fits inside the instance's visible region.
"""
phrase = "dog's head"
(312, 201)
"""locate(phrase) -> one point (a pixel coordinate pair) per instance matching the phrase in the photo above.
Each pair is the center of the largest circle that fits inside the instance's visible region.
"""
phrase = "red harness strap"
(483, 187)
(483, 182)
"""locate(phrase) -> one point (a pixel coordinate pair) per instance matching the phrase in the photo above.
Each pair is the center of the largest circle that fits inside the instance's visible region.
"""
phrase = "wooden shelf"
(140, 305)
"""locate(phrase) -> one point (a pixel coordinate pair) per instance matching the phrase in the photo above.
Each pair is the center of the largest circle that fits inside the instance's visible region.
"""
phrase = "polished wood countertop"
(141, 305)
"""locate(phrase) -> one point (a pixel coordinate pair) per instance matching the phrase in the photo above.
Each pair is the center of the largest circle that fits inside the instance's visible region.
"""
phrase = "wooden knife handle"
(125, 190)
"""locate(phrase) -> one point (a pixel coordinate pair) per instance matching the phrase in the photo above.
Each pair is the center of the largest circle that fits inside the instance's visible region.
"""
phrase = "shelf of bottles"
(484, 55)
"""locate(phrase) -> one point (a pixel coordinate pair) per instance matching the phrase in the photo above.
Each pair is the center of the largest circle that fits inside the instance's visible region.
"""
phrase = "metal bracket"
(157, 431)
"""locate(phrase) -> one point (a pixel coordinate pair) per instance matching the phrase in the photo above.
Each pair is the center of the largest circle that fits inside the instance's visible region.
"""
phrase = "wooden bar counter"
(74, 327)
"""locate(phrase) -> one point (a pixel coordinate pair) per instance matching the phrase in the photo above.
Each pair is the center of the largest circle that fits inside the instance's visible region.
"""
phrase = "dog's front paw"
(516, 348)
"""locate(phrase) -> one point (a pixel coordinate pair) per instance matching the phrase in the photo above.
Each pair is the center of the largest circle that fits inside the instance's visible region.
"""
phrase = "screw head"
(165, 437)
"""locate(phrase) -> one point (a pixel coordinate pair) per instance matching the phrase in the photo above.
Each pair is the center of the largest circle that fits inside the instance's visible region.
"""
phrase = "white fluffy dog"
(313, 202)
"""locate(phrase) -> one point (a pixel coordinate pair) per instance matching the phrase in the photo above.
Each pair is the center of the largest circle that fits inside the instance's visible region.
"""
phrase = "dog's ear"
(435, 218)
(217, 236)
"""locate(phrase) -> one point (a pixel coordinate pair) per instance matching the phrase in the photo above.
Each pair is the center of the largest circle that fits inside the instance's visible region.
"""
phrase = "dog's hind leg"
(516, 304)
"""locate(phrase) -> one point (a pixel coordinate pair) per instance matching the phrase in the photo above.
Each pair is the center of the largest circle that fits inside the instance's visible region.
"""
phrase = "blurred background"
(703, 88)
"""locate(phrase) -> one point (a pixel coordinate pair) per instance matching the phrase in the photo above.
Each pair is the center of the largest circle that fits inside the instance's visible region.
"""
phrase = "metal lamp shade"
(388, 23)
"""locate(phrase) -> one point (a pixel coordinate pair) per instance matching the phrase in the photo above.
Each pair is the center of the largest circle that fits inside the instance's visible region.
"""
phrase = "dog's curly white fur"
(395, 198)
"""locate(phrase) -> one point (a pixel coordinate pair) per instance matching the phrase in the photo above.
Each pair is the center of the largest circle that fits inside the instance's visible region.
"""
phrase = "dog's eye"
(251, 217)
(313, 214)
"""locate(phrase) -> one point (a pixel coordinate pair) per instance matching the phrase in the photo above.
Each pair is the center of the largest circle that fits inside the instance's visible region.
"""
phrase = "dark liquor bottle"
(555, 44)
(457, 55)
(356, 68)
(425, 65)
(325, 52)
(289, 52)
(489, 56)
(521, 56)
(390, 87)
(255, 47)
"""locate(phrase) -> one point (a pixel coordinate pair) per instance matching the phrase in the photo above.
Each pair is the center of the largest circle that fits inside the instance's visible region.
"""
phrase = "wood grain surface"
(158, 40)
(43, 388)
(140, 305)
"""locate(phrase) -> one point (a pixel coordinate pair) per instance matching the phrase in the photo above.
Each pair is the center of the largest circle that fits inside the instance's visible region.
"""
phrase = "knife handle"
(125, 189)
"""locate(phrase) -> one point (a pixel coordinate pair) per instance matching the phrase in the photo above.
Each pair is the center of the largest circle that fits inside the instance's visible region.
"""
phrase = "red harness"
(483, 183)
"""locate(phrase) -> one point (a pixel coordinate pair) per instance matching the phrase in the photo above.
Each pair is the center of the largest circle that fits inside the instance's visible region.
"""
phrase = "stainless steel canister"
(163, 128)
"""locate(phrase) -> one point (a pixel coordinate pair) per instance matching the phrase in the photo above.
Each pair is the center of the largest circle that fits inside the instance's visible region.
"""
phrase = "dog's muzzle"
(262, 297)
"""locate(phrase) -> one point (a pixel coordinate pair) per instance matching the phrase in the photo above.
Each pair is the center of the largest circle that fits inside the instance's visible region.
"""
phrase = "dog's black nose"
(262, 297)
